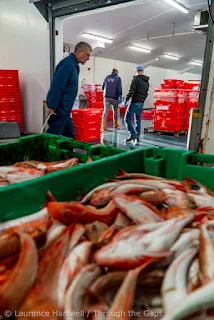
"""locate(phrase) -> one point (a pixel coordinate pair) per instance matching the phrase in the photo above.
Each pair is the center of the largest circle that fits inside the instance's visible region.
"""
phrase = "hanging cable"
(209, 10)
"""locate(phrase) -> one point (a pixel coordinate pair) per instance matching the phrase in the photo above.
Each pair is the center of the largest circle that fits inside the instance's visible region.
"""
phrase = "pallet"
(175, 134)
(147, 130)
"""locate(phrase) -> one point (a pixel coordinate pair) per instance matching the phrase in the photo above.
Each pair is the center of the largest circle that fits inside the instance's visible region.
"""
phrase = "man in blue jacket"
(112, 87)
(64, 89)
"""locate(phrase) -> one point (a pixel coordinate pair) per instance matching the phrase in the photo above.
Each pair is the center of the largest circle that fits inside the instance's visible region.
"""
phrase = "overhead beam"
(65, 3)
(43, 9)
(86, 6)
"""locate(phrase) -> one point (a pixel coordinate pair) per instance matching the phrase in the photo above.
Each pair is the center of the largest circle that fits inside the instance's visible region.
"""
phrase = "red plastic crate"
(99, 105)
(9, 100)
(123, 111)
(90, 114)
(93, 137)
(165, 95)
(168, 120)
(182, 95)
(169, 113)
(82, 123)
(192, 86)
(167, 128)
(167, 86)
(110, 115)
(173, 109)
(88, 131)
(146, 115)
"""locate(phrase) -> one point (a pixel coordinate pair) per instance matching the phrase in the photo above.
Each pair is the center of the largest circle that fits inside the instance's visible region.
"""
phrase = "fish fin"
(50, 197)
(120, 174)
(158, 254)
(205, 209)
(71, 227)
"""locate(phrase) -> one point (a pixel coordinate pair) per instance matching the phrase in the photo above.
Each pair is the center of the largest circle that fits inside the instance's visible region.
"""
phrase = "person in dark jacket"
(64, 89)
(138, 93)
(112, 87)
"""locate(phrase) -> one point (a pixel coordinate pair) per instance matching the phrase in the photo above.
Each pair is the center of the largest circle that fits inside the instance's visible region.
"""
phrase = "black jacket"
(139, 89)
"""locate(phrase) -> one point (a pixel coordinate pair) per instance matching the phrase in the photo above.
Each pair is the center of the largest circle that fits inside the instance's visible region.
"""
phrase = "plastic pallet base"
(9, 130)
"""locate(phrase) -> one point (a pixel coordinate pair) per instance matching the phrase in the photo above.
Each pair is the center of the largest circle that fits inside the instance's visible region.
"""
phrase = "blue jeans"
(134, 109)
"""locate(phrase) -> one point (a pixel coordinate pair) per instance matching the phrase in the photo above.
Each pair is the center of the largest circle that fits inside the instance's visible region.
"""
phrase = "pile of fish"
(28, 170)
(136, 247)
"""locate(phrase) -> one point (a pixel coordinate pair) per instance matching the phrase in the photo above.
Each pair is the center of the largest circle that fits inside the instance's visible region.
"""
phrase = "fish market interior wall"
(24, 43)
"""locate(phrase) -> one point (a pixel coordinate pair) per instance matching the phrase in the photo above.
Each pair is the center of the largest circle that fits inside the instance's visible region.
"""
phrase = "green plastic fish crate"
(98, 151)
(27, 197)
(47, 147)
(43, 147)
(199, 167)
(164, 162)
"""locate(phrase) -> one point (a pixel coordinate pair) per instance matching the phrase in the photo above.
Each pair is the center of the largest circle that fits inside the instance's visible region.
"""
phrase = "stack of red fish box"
(173, 103)
(10, 98)
(94, 94)
(87, 123)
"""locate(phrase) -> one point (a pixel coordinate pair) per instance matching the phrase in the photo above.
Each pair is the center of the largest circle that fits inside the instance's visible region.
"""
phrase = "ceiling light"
(98, 38)
(171, 57)
(196, 63)
(177, 6)
(157, 59)
(140, 49)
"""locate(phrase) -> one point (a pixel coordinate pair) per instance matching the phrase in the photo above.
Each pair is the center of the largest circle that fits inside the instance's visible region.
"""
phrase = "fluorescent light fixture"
(157, 59)
(177, 5)
(196, 63)
(98, 38)
(140, 49)
(170, 57)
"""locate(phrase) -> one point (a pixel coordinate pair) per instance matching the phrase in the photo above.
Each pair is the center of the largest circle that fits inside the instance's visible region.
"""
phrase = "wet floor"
(115, 138)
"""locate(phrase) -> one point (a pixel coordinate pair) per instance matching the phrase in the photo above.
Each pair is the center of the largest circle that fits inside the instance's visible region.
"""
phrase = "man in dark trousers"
(112, 87)
(64, 89)
(138, 93)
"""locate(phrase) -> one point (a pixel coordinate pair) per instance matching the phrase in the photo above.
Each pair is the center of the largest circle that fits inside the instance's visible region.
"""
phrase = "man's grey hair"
(82, 46)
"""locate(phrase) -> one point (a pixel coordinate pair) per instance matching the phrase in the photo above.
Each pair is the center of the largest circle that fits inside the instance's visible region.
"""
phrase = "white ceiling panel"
(146, 23)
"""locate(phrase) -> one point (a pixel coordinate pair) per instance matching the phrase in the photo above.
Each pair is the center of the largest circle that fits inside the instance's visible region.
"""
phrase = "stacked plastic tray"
(87, 124)
(173, 103)
(10, 98)
(94, 94)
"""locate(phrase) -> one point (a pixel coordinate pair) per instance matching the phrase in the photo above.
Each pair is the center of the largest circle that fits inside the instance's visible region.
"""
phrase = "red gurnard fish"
(137, 209)
(43, 296)
(131, 251)
(13, 291)
(68, 212)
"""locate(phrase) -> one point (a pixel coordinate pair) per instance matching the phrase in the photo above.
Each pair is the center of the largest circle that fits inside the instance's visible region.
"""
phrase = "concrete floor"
(116, 137)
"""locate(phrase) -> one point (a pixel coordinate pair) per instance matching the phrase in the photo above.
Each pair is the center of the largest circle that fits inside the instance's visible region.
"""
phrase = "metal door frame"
(52, 9)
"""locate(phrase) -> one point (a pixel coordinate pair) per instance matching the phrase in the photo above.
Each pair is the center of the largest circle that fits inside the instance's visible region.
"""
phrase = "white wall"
(59, 41)
(101, 67)
(24, 43)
